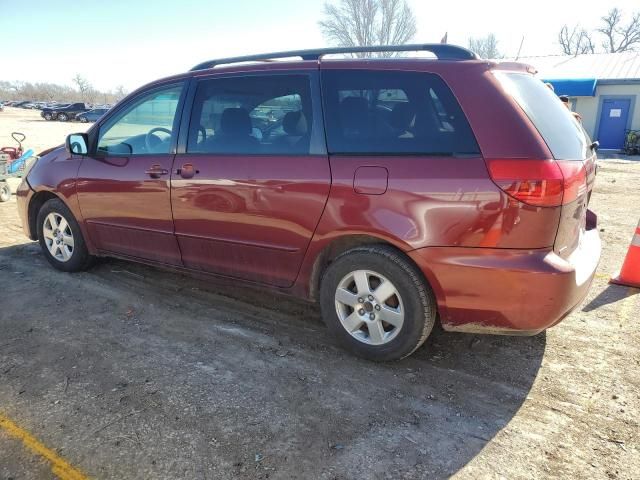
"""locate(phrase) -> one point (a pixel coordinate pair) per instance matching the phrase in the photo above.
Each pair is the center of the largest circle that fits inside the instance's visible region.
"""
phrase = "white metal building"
(604, 88)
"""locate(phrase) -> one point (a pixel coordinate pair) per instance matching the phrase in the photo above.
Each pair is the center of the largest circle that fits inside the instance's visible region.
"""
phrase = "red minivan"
(391, 191)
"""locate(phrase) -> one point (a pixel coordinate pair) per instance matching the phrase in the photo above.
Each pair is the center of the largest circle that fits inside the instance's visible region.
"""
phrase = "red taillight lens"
(543, 183)
(575, 180)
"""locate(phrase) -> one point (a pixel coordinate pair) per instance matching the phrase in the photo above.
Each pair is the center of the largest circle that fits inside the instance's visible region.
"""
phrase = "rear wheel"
(61, 239)
(5, 192)
(63, 117)
(377, 303)
(47, 116)
(83, 119)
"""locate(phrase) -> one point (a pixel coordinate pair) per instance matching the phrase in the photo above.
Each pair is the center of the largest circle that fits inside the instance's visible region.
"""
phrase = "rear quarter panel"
(434, 201)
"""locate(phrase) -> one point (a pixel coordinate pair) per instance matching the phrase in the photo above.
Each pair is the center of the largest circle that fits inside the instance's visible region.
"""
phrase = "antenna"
(520, 49)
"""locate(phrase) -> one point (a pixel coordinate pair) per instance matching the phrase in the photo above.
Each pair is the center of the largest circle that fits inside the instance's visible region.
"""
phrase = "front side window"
(252, 115)
(382, 112)
(146, 127)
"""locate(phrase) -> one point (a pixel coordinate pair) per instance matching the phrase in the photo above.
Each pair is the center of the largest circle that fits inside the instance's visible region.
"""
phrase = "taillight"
(543, 183)
(575, 180)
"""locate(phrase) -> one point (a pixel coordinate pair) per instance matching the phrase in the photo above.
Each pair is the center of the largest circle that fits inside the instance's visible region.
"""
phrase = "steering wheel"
(150, 135)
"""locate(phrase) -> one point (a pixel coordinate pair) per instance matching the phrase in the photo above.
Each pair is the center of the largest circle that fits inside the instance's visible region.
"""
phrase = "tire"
(411, 309)
(63, 117)
(5, 192)
(48, 117)
(83, 120)
(68, 256)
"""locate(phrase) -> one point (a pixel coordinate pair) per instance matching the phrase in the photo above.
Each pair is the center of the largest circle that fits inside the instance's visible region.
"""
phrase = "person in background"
(565, 99)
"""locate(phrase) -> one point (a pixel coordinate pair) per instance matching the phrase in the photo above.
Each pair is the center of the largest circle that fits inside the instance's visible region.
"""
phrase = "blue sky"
(117, 42)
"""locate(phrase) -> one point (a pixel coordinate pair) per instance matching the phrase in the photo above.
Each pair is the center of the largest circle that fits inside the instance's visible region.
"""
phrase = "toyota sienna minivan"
(393, 192)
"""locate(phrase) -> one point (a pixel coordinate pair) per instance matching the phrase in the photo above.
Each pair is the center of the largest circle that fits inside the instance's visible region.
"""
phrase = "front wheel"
(84, 119)
(377, 303)
(61, 239)
(63, 117)
(5, 192)
(48, 116)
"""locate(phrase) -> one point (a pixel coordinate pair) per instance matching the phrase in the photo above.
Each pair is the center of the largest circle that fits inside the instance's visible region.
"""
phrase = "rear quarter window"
(562, 133)
(372, 112)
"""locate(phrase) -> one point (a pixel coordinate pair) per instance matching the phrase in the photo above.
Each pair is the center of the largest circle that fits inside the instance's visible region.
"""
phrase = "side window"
(146, 127)
(381, 112)
(268, 114)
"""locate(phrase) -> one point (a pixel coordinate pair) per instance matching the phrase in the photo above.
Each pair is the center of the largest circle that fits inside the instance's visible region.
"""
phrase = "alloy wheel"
(58, 237)
(369, 307)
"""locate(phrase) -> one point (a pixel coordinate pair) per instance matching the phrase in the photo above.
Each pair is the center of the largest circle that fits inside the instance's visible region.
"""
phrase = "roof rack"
(442, 51)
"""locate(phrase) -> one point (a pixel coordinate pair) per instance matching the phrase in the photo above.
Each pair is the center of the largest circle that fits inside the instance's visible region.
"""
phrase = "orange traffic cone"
(630, 272)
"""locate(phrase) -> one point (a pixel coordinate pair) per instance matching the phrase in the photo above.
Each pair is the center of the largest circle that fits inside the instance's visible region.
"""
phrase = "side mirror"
(595, 145)
(77, 144)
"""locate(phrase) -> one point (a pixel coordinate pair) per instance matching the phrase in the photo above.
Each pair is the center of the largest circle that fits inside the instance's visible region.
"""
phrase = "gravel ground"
(128, 371)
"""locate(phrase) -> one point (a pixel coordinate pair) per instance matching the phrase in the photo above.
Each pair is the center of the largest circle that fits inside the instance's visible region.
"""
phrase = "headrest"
(235, 121)
(295, 124)
(353, 112)
(402, 115)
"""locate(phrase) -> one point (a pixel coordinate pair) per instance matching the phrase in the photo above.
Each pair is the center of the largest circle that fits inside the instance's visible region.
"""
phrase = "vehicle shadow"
(612, 294)
(258, 372)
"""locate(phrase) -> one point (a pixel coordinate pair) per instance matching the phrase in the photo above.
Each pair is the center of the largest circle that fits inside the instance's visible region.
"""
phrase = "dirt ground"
(127, 371)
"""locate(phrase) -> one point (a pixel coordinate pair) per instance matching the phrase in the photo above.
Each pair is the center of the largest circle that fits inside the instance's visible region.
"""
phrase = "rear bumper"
(507, 291)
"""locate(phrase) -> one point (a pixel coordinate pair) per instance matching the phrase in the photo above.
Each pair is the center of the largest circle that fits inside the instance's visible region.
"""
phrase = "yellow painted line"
(59, 466)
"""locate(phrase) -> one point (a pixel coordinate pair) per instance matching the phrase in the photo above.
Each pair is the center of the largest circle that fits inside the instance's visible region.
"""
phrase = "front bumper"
(23, 198)
(507, 291)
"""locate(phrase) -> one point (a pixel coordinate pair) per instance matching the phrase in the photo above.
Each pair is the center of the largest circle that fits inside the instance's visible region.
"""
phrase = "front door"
(613, 123)
(124, 186)
(249, 191)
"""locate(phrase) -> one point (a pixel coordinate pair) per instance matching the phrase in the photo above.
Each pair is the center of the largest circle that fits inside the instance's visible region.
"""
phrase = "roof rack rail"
(442, 51)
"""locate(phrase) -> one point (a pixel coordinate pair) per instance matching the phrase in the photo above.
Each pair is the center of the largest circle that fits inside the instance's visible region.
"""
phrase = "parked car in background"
(50, 112)
(392, 191)
(64, 113)
(22, 104)
(91, 115)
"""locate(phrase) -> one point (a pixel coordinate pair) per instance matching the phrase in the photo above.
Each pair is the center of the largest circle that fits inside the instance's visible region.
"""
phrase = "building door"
(613, 123)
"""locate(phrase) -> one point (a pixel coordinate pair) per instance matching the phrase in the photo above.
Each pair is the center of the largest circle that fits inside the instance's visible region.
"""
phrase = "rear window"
(383, 112)
(562, 133)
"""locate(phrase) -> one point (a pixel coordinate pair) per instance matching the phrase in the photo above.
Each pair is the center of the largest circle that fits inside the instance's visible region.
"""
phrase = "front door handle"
(156, 171)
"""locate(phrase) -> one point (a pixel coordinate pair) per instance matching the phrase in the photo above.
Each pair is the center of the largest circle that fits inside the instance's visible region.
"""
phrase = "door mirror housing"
(595, 145)
(77, 144)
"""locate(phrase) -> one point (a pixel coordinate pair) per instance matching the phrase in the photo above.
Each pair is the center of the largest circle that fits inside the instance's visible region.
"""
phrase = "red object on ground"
(629, 274)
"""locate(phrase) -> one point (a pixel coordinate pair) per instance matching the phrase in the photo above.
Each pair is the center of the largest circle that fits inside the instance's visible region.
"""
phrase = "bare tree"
(575, 41)
(120, 93)
(351, 23)
(485, 47)
(47, 92)
(620, 37)
(84, 87)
